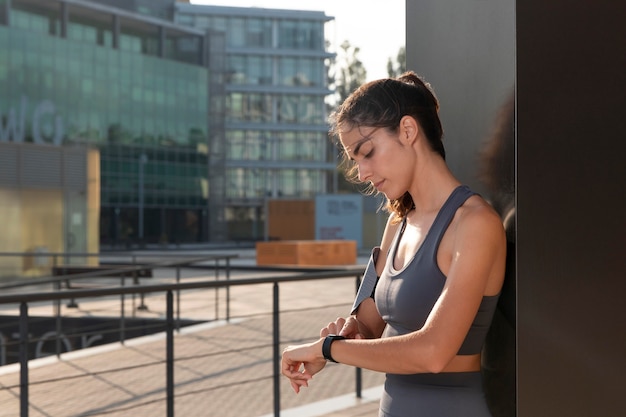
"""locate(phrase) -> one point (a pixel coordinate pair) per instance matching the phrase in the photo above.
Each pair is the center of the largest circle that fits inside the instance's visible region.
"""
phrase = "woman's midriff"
(464, 363)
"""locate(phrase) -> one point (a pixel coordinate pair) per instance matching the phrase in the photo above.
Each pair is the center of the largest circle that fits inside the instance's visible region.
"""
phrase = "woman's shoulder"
(476, 215)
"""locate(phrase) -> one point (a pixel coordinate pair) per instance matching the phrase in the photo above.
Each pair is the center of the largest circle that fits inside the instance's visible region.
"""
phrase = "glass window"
(254, 108)
(301, 34)
(265, 144)
(124, 102)
(130, 43)
(3, 12)
(310, 72)
(255, 69)
(235, 144)
(28, 21)
(218, 23)
(287, 70)
(139, 37)
(202, 21)
(87, 26)
(81, 32)
(236, 73)
(43, 18)
(236, 35)
(287, 182)
(310, 35)
(306, 183)
(184, 19)
(287, 109)
(246, 183)
(234, 103)
(308, 146)
(287, 146)
(249, 107)
(181, 47)
(258, 33)
(249, 69)
(287, 32)
(310, 110)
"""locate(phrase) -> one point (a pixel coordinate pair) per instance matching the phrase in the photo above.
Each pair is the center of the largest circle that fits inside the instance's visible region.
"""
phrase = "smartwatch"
(328, 340)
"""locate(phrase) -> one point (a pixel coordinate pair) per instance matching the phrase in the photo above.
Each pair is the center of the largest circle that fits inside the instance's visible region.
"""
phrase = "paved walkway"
(222, 368)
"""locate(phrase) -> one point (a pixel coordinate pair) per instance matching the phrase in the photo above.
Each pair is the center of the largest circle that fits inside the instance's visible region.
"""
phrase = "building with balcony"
(268, 85)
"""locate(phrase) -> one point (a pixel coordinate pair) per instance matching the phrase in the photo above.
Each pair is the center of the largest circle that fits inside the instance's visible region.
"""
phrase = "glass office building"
(200, 113)
(135, 87)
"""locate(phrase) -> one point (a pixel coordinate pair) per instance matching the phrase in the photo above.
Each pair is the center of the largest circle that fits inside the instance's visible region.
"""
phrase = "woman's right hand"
(346, 327)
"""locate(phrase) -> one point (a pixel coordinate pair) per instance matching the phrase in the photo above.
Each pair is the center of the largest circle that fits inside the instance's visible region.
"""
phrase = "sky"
(377, 28)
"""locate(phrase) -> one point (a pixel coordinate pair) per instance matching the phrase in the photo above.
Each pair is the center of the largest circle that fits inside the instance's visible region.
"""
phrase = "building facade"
(268, 86)
(200, 114)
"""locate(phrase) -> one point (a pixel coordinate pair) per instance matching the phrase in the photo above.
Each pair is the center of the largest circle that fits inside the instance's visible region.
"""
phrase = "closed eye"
(366, 149)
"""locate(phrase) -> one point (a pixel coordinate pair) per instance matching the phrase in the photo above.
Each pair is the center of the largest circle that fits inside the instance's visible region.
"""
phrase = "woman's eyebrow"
(360, 143)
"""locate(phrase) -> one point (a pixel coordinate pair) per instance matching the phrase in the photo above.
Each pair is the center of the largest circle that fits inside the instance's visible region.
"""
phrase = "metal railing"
(132, 271)
(169, 289)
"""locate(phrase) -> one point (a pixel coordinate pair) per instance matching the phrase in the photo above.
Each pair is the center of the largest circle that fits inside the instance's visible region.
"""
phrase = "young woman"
(440, 264)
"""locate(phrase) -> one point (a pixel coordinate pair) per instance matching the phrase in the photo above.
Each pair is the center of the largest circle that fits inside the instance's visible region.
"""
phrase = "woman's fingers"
(333, 327)
(297, 378)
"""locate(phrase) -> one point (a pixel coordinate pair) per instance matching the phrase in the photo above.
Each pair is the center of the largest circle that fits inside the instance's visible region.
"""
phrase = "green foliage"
(397, 67)
(346, 74)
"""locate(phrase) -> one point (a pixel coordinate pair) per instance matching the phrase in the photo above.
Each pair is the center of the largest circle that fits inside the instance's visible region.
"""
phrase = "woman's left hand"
(300, 363)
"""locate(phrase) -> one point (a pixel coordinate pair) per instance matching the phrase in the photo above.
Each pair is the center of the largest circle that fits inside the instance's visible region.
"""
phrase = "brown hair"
(382, 104)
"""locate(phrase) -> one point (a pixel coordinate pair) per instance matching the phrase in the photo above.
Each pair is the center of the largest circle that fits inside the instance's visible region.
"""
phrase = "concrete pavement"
(222, 368)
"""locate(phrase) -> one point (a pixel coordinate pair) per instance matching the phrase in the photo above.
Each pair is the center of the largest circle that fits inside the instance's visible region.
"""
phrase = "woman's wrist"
(327, 344)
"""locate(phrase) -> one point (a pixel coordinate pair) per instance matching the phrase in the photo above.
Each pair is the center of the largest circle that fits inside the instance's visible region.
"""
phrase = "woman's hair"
(382, 104)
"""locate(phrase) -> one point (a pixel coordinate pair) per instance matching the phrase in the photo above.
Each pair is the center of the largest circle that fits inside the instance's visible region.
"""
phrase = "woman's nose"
(364, 172)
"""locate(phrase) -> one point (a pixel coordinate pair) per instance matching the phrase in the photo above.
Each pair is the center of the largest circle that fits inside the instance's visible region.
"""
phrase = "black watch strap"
(328, 340)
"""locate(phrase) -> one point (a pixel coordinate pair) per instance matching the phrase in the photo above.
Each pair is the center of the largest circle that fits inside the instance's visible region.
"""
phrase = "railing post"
(122, 313)
(227, 289)
(217, 290)
(23, 359)
(142, 304)
(276, 350)
(169, 352)
(178, 298)
(57, 315)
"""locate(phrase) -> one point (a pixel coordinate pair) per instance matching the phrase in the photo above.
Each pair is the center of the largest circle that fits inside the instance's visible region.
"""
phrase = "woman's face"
(381, 159)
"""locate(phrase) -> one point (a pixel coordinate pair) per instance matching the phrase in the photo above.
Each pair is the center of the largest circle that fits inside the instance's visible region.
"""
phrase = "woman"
(441, 262)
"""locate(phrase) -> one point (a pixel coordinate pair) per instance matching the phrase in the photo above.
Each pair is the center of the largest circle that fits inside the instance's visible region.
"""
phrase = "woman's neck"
(430, 191)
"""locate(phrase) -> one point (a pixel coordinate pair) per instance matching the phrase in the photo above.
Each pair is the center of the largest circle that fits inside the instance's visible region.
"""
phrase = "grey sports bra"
(406, 297)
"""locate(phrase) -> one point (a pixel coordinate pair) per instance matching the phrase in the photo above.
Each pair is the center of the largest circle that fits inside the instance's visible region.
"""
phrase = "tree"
(397, 67)
(347, 73)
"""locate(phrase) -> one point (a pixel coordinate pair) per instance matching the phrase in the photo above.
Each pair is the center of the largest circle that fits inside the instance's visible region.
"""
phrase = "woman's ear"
(409, 130)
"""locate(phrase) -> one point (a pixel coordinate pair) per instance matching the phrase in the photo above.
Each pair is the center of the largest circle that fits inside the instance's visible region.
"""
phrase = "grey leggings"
(452, 394)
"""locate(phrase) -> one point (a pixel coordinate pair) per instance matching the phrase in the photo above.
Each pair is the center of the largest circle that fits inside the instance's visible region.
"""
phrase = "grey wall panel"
(8, 164)
(40, 167)
(570, 173)
(466, 50)
(571, 96)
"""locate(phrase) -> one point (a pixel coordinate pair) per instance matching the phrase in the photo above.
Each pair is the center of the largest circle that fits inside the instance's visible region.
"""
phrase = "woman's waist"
(469, 379)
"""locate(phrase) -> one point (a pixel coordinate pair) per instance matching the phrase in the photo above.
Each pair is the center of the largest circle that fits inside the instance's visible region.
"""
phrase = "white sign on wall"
(339, 217)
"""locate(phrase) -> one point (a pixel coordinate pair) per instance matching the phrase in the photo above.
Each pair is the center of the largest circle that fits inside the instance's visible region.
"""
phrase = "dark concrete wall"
(571, 96)
(567, 61)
